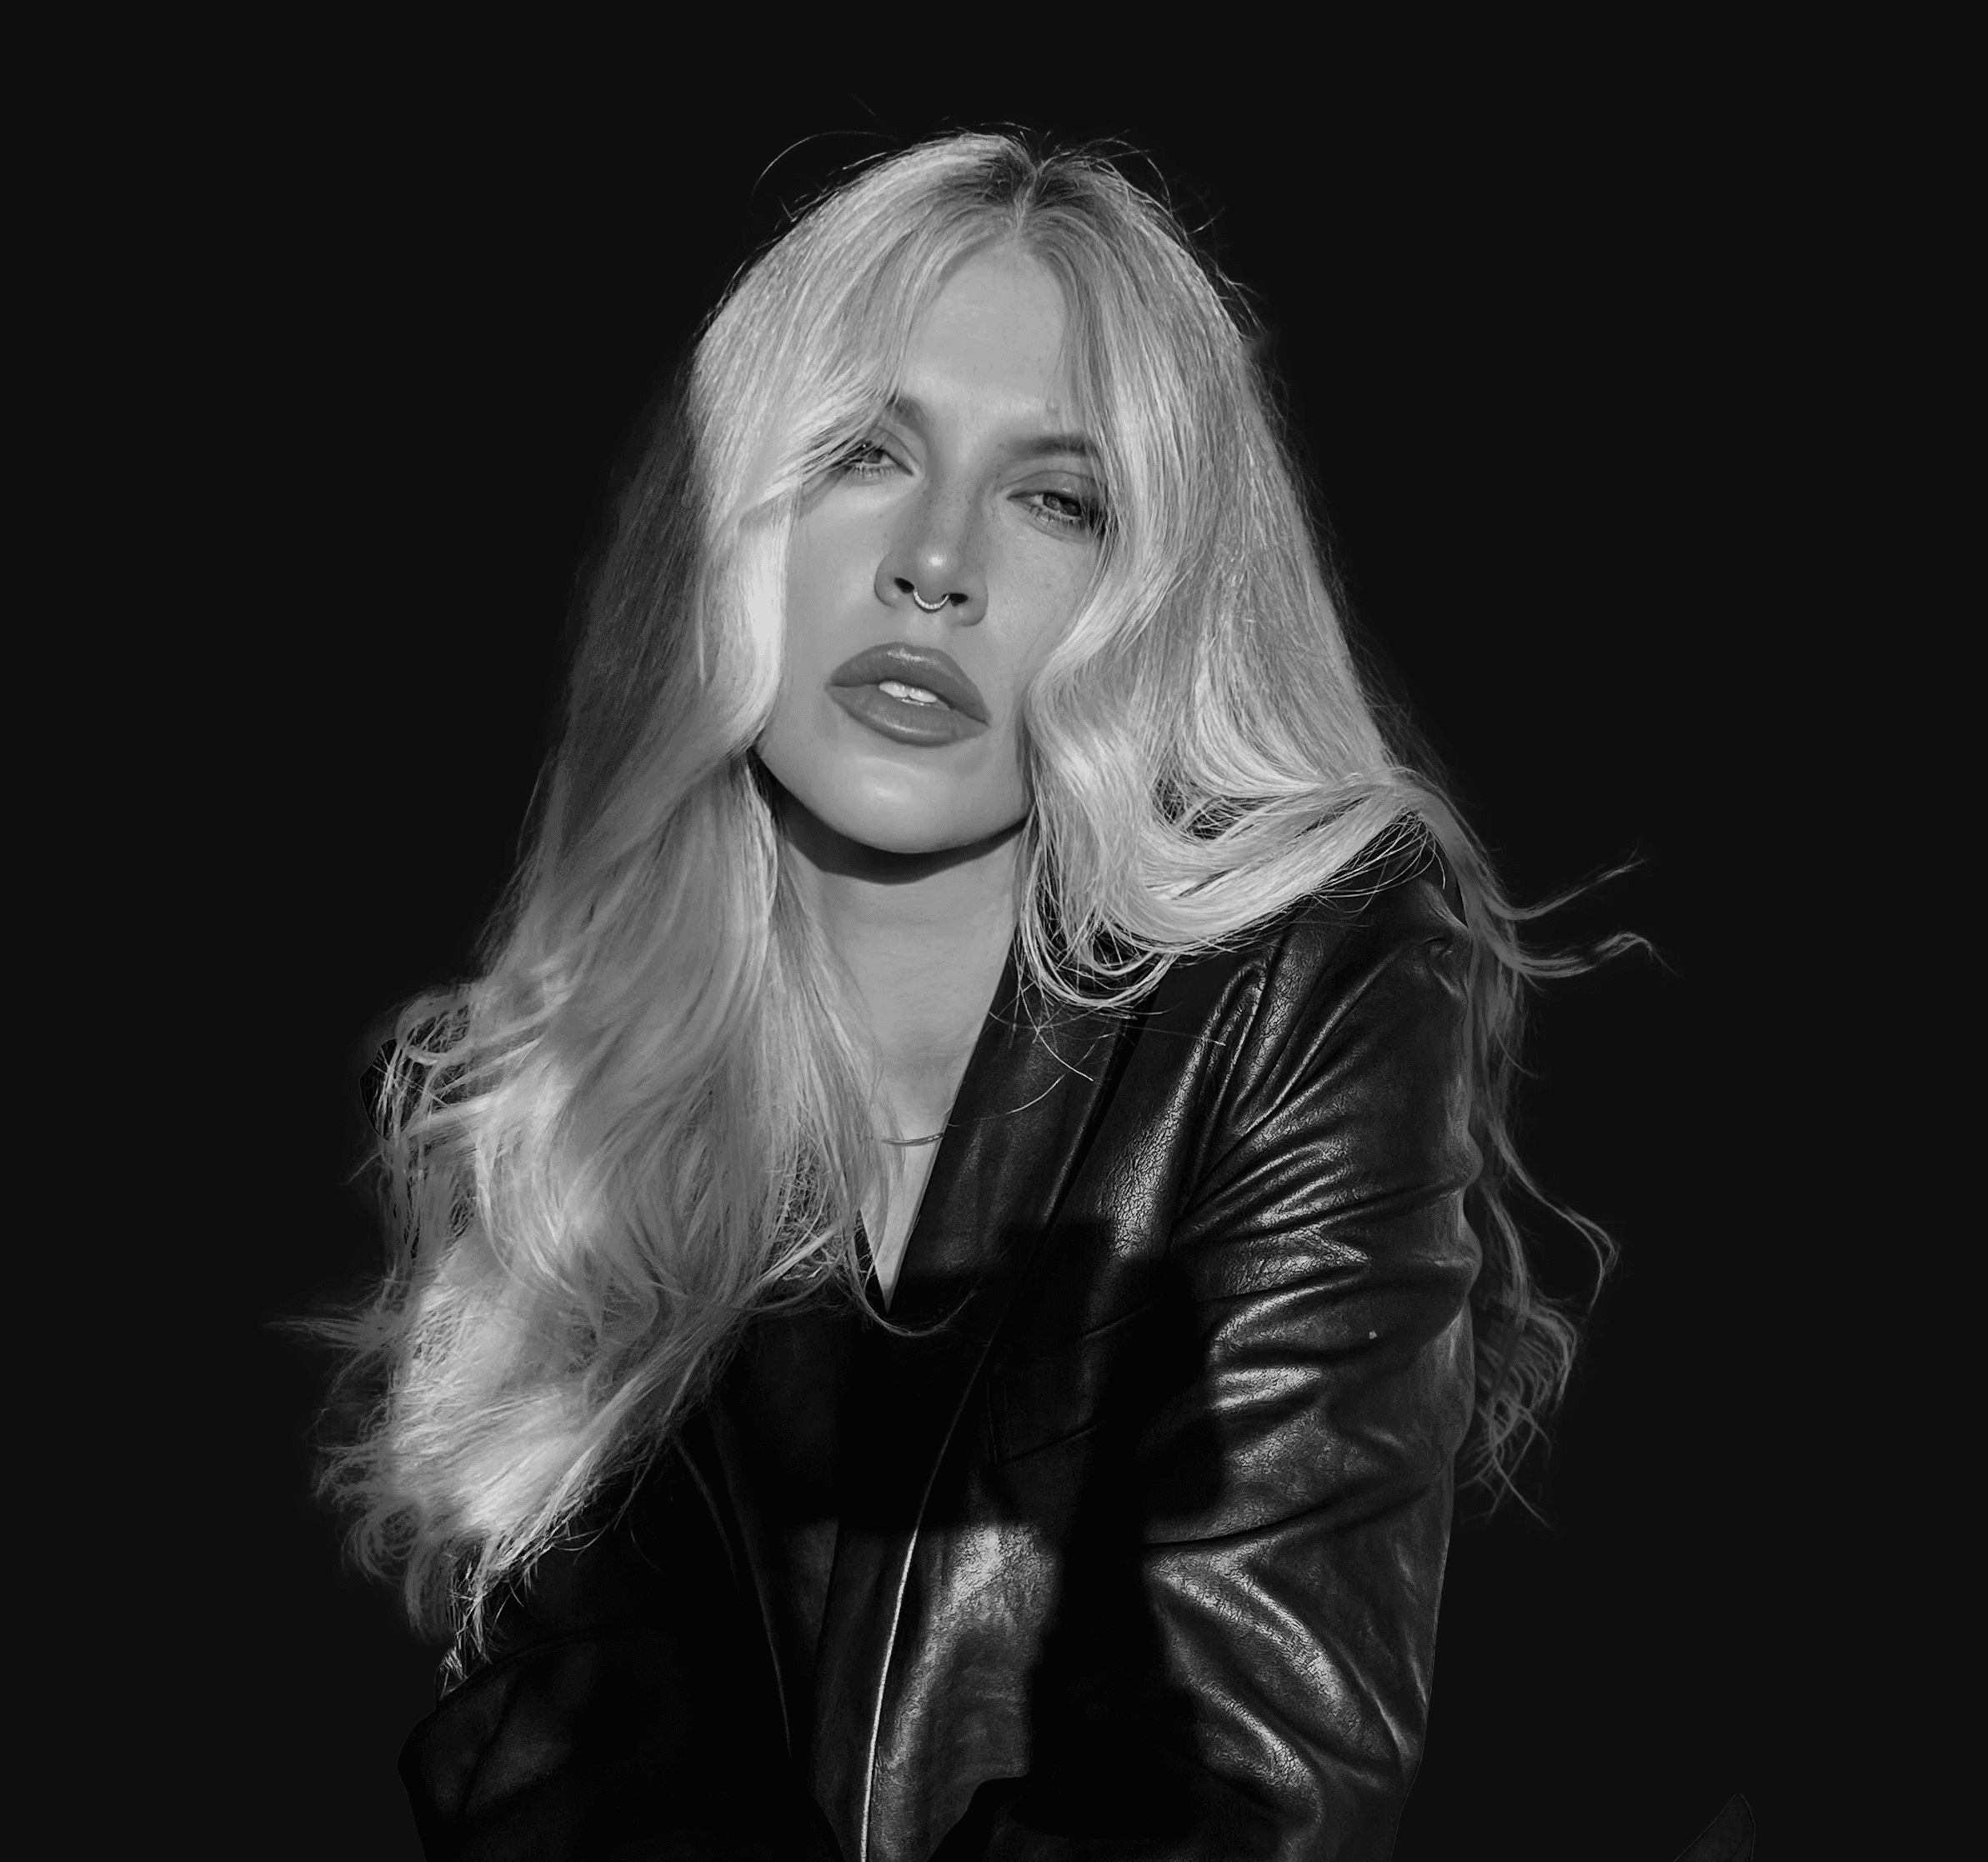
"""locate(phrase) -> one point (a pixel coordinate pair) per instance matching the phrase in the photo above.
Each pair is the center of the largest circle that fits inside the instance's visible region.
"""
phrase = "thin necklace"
(900, 1142)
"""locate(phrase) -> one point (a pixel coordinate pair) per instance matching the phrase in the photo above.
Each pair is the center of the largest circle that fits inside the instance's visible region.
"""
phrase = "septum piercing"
(930, 607)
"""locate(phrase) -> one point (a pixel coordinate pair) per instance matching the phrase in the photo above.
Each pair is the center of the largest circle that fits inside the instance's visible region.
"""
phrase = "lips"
(923, 668)
(915, 695)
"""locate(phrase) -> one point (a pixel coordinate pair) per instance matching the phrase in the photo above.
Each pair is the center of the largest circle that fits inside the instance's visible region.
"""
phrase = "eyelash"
(868, 460)
(854, 465)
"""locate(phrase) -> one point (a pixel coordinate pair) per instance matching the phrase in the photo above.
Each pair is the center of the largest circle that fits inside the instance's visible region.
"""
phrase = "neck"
(923, 936)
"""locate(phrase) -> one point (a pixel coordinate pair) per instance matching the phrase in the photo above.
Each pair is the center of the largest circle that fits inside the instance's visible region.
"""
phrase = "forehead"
(994, 337)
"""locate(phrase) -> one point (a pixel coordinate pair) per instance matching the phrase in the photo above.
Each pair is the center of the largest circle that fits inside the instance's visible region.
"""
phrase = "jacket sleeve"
(1283, 1503)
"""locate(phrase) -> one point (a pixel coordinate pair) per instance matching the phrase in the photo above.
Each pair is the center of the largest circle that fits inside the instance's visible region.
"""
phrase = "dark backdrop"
(1533, 342)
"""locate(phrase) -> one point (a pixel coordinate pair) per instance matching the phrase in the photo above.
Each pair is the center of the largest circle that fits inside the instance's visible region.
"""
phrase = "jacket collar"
(1021, 1122)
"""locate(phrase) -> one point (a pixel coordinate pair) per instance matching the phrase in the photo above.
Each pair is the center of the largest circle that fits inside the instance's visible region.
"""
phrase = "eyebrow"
(1037, 445)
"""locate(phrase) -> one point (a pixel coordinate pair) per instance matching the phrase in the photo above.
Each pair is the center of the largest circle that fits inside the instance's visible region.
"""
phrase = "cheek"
(820, 566)
(1043, 599)
(824, 576)
(824, 587)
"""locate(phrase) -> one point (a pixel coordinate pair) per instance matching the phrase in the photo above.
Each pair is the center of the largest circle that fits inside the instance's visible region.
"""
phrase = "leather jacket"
(1140, 1536)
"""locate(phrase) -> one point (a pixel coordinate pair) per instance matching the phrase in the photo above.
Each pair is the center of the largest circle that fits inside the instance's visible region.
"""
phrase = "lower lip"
(902, 721)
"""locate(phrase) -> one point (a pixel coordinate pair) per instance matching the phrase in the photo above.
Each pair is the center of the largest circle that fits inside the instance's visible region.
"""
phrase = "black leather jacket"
(1139, 1538)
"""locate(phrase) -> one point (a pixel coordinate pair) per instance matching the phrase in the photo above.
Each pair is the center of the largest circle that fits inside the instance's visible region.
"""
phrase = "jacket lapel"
(1020, 1124)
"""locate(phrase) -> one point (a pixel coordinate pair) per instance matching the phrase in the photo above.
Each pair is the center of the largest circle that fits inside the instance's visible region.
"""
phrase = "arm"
(1281, 1507)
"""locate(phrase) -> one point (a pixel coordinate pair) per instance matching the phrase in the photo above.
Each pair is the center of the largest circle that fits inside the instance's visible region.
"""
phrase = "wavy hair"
(648, 1116)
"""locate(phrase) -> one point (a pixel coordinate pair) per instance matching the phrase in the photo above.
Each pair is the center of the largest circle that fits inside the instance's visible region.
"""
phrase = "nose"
(933, 565)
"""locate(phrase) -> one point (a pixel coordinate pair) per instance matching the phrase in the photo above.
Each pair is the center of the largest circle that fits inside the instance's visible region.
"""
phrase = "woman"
(947, 1258)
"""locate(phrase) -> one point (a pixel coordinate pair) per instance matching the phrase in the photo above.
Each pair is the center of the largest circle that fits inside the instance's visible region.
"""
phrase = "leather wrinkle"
(1060, 1673)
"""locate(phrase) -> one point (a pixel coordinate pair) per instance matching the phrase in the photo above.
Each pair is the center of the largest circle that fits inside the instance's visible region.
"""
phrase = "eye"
(1067, 510)
(866, 458)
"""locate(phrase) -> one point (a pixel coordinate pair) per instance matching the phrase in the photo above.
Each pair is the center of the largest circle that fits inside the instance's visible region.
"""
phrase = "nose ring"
(929, 606)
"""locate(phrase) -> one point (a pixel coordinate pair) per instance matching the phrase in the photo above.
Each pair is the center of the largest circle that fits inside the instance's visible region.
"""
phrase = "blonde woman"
(948, 1259)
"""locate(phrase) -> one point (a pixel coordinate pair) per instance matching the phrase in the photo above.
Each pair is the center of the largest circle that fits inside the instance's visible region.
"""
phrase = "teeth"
(911, 694)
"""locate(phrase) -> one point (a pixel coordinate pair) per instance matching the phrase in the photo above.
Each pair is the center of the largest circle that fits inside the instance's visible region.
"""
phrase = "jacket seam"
(1342, 1007)
(1212, 1098)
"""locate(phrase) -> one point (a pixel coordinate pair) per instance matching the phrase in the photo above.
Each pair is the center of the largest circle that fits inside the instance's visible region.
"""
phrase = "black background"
(1539, 339)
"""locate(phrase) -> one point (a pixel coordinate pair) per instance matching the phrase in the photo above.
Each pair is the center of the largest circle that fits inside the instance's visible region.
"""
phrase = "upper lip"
(937, 673)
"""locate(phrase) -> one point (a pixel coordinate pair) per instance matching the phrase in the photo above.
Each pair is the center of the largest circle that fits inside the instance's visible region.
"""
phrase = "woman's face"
(931, 573)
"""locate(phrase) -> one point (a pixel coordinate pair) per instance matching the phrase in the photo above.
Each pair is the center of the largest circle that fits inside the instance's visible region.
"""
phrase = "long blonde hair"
(646, 1117)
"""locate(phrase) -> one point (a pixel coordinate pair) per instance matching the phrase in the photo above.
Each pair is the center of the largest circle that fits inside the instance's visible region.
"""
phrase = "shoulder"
(1401, 901)
(1403, 896)
(1368, 971)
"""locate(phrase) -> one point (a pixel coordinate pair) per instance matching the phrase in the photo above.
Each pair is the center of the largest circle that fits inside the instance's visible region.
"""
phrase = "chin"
(895, 808)
(908, 829)
(914, 821)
